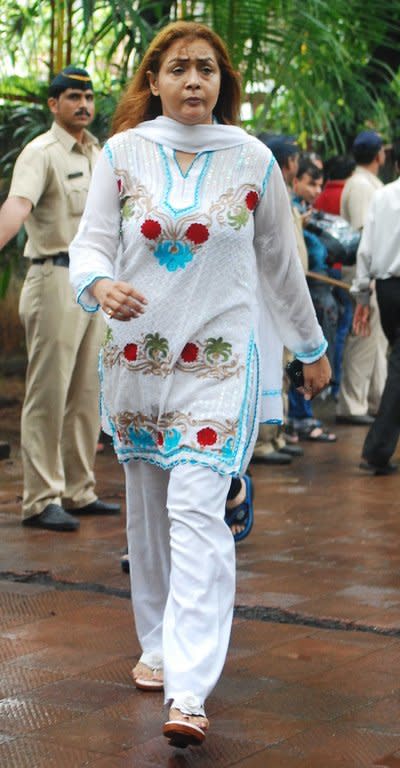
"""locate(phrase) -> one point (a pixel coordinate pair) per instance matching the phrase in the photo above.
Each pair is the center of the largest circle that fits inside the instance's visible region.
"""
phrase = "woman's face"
(188, 81)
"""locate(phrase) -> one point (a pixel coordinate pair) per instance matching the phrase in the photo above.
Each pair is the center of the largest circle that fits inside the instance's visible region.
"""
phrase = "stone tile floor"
(312, 679)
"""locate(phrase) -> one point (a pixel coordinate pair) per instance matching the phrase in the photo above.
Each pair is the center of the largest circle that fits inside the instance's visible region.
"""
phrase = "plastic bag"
(340, 239)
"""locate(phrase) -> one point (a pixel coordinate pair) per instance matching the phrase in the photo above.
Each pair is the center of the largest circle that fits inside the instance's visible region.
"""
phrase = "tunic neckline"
(186, 173)
(174, 173)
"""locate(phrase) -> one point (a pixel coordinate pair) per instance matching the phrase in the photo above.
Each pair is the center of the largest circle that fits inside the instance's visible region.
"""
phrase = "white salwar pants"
(182, 567)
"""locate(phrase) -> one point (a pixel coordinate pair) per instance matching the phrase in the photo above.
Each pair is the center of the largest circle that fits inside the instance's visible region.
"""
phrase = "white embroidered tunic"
(213, 251)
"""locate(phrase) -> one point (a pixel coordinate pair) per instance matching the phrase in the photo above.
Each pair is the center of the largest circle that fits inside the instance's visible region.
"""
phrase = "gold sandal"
(183, 730)
(148, 678)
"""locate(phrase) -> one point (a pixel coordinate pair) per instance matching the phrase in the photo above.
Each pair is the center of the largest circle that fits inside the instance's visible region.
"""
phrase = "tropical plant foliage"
(307, 67)
(319, 69)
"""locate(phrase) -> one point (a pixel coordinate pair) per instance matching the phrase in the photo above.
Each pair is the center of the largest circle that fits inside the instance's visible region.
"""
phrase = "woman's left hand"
(316, 377)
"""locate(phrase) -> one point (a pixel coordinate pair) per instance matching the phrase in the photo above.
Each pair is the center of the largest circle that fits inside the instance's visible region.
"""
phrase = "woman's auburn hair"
(137, 103)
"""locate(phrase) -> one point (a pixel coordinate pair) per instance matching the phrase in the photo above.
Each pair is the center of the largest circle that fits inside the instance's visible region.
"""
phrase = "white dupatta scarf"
(192, 138)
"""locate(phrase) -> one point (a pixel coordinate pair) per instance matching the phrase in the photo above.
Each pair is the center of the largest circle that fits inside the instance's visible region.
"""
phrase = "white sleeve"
(360, 287)
(94, 248)
(283, 285)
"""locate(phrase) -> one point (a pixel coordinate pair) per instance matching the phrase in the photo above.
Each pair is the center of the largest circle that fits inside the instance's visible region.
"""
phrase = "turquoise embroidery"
(253, 379)
(186, 173)
(227, 450)
(108, 153)
(315, 354)
(141, 439)
(172, 439)
(173, 255)
(180, 245)
(89, 280)
(179, 211)
(267, 175)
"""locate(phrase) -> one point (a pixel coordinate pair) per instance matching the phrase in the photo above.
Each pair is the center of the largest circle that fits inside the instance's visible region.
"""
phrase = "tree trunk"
(52, 36)
(60, 21)
(68, 55)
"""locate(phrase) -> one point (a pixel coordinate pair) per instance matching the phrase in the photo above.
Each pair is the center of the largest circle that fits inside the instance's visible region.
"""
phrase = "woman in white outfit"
(187, 245)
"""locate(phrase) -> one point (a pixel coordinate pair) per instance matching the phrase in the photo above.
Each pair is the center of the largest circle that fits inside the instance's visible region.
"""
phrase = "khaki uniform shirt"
(357, 195)
(354, 204)
(53, 171)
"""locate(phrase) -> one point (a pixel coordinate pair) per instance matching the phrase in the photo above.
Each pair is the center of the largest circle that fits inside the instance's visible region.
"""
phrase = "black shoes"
(97, 507)
(261, 456)
(125, 562)
(361, 420)
(4, 450)
(378, 469)
(55, 518)
(291, 450)
(52, 518)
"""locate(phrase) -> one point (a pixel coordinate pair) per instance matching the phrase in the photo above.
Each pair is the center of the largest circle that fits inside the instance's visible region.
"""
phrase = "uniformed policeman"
(60, 415)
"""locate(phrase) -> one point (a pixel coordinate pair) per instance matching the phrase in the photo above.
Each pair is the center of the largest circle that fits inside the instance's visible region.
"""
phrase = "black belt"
(60, 259)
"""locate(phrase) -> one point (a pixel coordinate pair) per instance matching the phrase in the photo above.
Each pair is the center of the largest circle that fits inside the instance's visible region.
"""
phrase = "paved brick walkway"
(312, 678)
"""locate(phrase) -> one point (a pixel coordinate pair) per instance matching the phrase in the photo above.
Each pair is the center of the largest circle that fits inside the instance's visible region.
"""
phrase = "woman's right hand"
(118, 300)
(317, 376)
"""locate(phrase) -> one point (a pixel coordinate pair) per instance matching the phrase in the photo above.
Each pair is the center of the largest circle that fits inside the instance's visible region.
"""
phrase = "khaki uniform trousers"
(60, 416)
(364, 369)
(270, 438)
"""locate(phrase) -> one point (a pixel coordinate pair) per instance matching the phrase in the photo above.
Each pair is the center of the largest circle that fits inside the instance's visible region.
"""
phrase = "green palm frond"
(302, 63)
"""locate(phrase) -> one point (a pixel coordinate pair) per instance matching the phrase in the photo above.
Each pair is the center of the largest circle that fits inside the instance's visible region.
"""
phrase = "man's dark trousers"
(381, 441)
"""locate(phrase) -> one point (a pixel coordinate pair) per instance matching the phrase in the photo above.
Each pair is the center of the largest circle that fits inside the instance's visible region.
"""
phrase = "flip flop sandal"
(243, 514)
(148, 679)
(291, 433)
(323, 437)
(185, 730)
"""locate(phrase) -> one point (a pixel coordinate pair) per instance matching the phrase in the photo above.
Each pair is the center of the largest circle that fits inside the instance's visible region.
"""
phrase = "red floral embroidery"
(197, 233)
(151, 229)
(207, 436)
(119, 185)
(251, 200)
(190, 353)
(130, 352)
(160, 438)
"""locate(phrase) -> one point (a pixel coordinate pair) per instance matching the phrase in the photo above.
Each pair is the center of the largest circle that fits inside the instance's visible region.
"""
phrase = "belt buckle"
(61, 259)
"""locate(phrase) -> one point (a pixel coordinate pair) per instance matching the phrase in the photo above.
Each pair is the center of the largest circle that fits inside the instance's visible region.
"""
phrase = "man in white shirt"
(364, 361)
(379, 258)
